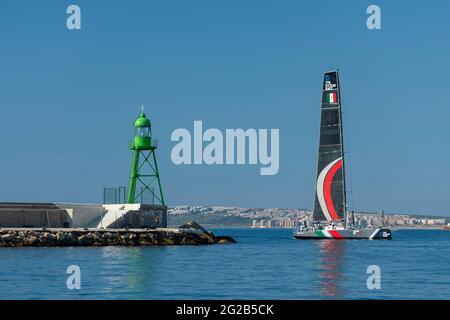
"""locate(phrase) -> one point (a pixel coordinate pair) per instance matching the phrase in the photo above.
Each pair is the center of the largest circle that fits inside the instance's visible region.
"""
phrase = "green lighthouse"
(144, 169)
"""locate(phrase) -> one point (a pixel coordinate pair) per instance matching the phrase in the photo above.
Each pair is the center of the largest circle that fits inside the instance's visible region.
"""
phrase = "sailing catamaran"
(330, 218)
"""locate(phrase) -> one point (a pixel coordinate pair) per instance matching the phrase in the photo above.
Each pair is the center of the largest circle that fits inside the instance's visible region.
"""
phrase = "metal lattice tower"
(144, 169)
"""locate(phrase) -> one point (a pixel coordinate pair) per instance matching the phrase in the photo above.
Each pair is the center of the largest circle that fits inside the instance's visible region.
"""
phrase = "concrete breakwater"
(79, 215)
(59, 237)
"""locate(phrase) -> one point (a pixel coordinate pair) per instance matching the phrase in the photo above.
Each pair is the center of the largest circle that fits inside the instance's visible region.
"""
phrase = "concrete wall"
(82, 215)
(67, 215)
(32, 214)
(134, 215)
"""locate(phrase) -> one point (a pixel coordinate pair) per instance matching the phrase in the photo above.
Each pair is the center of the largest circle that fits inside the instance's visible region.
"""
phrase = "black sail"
(330, 184)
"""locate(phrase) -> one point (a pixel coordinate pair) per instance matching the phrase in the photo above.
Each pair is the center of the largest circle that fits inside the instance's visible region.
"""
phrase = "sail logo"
(329, 85)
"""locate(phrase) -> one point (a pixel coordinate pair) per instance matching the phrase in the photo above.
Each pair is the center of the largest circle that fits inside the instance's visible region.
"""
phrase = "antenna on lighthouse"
(142, 108)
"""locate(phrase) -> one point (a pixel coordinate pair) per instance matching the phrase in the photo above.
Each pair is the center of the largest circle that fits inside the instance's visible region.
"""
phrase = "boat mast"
(342, 150)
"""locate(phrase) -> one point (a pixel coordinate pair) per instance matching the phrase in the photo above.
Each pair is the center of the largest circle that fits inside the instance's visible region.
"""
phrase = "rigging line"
(363, 157)
(350, 163)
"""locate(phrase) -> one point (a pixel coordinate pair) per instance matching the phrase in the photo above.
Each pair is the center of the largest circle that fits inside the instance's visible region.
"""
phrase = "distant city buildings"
(289, 218)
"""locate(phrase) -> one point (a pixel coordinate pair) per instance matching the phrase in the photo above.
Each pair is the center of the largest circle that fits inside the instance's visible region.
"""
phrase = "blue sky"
(68, 98)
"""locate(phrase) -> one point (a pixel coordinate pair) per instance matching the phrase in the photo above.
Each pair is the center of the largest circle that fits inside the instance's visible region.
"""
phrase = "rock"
(205, 236)
(111, 236)
(224, 239)
(192, 225)
(209, 237)
(7, 236)
(190, 234)
(168, 241)
(85, 239)
(50, 237)
(34, 234)
(29, 241)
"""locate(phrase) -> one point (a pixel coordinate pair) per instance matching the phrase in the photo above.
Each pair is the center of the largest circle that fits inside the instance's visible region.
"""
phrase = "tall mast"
(342, 151)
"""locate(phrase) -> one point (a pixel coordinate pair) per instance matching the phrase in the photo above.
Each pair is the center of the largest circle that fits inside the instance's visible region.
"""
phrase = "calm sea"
(264, 264)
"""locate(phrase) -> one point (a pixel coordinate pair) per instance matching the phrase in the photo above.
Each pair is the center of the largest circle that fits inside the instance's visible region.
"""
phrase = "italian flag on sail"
(332, 97)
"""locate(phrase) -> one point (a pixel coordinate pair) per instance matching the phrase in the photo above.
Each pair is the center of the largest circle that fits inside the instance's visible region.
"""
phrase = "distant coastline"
(216, 216)
(214, 226)
(418, 228)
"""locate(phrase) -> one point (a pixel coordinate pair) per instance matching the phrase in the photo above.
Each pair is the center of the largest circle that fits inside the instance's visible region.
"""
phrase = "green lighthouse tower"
(144, 169)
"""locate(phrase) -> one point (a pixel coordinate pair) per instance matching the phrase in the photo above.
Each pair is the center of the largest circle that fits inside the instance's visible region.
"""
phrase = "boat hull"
(346, 234)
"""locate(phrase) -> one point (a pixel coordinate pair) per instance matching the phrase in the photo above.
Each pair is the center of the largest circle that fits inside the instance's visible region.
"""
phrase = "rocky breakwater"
(189, 234)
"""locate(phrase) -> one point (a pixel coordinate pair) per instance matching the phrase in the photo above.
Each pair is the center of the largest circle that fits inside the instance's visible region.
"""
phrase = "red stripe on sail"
(327, 189)
(335, 234)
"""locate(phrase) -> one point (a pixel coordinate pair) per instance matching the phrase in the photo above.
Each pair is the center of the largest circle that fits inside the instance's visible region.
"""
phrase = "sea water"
(263, 264)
